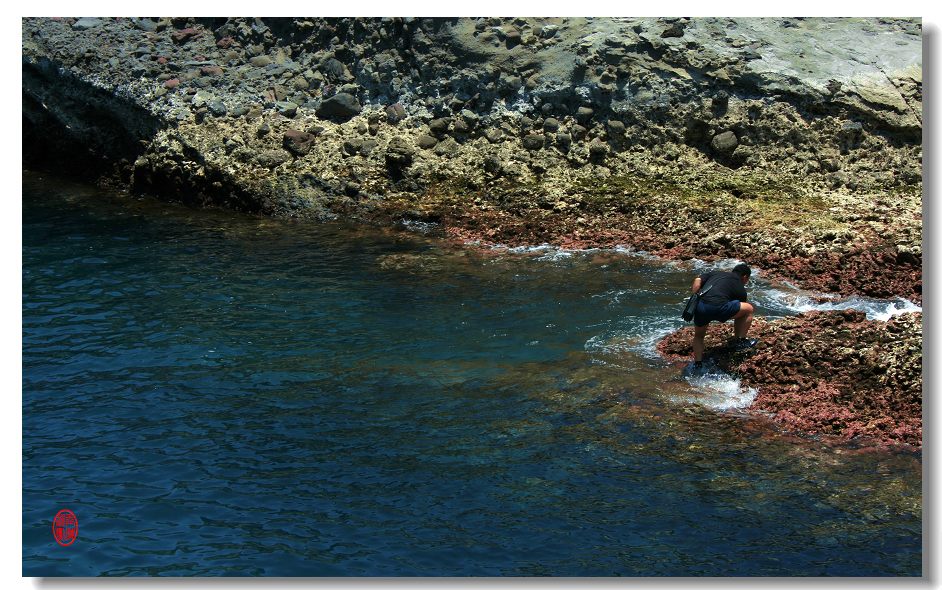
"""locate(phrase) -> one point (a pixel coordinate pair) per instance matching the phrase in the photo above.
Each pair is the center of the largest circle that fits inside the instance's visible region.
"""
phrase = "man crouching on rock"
(725, 300)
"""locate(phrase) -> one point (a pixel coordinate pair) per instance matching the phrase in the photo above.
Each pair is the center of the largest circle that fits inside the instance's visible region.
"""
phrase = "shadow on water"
(223, 395)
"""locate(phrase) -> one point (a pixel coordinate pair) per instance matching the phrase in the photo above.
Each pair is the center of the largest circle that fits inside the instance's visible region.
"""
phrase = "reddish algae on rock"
(829, 373)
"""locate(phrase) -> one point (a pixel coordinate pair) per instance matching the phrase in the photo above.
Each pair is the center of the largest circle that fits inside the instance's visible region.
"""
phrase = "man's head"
(743, 271)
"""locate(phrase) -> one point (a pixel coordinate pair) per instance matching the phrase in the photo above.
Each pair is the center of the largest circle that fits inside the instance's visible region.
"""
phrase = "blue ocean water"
(217, 394)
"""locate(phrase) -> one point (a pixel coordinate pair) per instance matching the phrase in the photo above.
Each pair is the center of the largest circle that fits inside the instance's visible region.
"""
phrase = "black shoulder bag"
(691, 306)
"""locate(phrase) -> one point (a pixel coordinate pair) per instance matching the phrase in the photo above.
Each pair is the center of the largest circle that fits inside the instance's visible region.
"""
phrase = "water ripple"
(223, 395)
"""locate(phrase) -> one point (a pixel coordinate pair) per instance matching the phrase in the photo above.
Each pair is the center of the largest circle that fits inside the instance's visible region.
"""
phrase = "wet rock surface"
(831, 373)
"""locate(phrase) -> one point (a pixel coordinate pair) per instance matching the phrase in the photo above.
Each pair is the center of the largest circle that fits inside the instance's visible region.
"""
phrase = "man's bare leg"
(699, 332)
(743, 320)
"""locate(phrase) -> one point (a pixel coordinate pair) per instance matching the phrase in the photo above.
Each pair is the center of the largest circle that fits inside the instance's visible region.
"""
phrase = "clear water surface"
(216, 394)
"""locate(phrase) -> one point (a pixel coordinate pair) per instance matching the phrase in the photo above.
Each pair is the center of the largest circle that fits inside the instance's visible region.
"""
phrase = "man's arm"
(695, 286)
(742, 294)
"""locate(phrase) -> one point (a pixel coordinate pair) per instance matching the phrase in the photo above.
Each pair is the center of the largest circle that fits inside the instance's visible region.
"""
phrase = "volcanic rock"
(341, 107)
(297, 142)
(724, 142)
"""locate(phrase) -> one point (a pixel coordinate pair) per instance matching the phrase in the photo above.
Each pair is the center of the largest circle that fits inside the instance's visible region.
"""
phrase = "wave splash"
(790, 303)
(718, 390)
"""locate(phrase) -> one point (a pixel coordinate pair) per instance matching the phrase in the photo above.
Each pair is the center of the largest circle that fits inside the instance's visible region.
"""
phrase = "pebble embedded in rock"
(352, 146)
(470, 117)
(201, 98)
(616, 128)
(598, 148)
(724, 142)
(460, 128)
(447, 147)
(439, 126)
(297, 142)
(583, 114)
(399, 153)
(145, 24)
(337, 70)
(533, 141)
(287, 108)
(341, 107)
(83, 24)
(674, 30)
(367, 147)
(184, 35)
(493, 165)
(271, 158)
(426, 142)
(217, 108)
(395, 113)
(351, 189)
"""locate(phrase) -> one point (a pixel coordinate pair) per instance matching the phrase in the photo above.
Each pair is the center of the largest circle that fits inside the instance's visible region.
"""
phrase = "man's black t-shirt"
(727, 286)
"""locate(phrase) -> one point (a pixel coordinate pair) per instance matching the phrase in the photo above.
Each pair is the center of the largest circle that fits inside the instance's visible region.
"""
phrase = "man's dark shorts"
(707, 313)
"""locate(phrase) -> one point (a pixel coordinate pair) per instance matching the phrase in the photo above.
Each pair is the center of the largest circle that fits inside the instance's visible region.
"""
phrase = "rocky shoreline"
(832, 374)
(792, 144)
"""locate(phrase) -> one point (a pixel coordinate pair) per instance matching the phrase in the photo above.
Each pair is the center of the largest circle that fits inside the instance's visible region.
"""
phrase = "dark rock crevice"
(71, 126)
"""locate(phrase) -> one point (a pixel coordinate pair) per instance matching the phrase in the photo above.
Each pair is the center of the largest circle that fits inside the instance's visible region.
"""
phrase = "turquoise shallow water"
(214, 394)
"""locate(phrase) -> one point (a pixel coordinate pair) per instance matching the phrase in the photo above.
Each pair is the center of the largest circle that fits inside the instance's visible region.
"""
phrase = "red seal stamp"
(65, 527)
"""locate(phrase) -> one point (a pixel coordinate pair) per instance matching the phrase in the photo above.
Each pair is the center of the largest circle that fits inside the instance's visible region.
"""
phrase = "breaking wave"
(794, 302)
(719, 391)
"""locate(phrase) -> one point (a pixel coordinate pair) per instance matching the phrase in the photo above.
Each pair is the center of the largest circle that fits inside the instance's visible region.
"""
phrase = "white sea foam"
(528, 249)
(554, 255)
(725, 264)
(791, 302)
(629, 251)
(787, 300)
(720, 391)
(639, 338)
(422, 227)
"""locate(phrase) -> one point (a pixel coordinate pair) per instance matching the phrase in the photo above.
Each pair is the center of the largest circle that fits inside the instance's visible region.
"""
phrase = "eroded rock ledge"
(793, 144)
